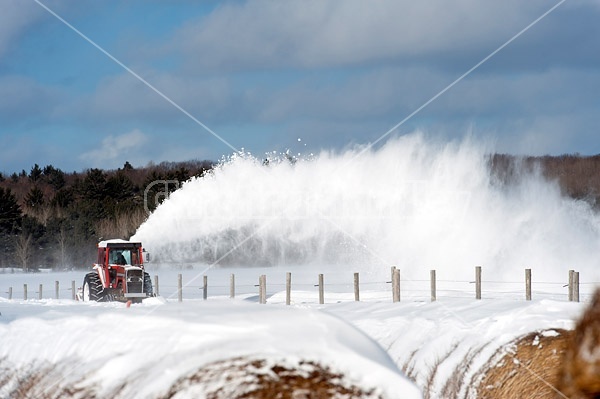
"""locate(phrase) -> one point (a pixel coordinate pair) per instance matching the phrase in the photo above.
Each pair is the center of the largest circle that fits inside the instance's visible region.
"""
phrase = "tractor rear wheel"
(92, 288)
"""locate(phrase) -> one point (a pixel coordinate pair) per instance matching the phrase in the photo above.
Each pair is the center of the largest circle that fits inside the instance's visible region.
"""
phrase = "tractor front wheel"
(92, 288)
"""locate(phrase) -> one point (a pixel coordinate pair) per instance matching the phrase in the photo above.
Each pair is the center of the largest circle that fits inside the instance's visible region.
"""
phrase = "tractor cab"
(118, 273)
(120, 252)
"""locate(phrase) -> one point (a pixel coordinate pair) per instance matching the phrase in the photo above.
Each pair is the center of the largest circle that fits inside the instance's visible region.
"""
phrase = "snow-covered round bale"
(553, 363)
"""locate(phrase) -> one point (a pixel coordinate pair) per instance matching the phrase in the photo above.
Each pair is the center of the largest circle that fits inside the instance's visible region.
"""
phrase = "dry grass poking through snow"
(548, 364)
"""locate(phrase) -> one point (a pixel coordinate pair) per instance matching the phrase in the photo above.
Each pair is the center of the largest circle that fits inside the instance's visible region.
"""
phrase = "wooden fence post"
(288, 288)
(156, 291)
(571, 273)
(321, 290)
(56, 289)
(356, 287)
(73, 290)
(576, 287)
(232, 286)
(433, 286)
(260, 299)
(25, 292)
(262, 289)
(478, 282)
(179, 287)
(205, 287)
(396, 286)
(528, 284)
(40, 292)
(9, 293)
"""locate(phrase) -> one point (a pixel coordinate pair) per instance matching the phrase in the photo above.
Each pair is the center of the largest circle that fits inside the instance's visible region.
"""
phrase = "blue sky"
(262, 74)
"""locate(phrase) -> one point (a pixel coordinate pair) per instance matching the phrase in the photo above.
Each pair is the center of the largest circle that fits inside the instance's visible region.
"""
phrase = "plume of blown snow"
(413, 202)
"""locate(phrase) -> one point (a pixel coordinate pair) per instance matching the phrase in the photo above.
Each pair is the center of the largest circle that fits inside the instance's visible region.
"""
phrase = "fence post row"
(573, 287)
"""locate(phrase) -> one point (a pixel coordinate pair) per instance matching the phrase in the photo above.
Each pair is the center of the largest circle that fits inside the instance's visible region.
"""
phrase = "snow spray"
(413, 202)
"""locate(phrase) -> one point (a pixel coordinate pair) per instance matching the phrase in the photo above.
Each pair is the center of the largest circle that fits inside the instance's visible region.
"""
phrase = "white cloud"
(115, 150)
(15, 17)
(19, 16)
(123, 96)
(22, 98)
(321, 33)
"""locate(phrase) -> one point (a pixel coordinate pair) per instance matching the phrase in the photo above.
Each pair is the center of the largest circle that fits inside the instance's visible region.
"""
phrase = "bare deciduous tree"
(123, 226)
(23, 250)
(61, 240)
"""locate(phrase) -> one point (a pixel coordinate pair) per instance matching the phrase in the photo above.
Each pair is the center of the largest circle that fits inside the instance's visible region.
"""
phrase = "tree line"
(50, 218)
(577, 176)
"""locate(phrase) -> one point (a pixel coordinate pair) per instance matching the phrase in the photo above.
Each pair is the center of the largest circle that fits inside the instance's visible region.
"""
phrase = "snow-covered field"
(411, 203)
(109, 350)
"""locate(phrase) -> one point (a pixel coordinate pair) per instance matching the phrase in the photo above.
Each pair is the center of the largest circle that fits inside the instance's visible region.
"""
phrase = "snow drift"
(229, 348)
(221, 349)
(413, 203)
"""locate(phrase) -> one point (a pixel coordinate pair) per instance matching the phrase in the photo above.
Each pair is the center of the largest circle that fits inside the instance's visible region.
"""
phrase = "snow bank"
(443, 346)
(107, 350)
(164, 346)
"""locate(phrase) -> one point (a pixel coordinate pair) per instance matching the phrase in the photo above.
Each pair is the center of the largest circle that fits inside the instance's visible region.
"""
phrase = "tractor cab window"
(134, 258)
(101, 254)
(121, 257)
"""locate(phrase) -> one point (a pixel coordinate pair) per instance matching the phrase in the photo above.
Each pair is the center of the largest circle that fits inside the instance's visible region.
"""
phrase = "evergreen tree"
(181, 175)
(10, 221)
(10, 212)
(120, 187)
(36, 173)
(63, 198)
(93, 187)
(55, 177)
(35, 197)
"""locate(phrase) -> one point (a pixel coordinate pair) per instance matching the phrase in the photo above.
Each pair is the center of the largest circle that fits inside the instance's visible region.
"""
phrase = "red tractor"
(118, 273)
